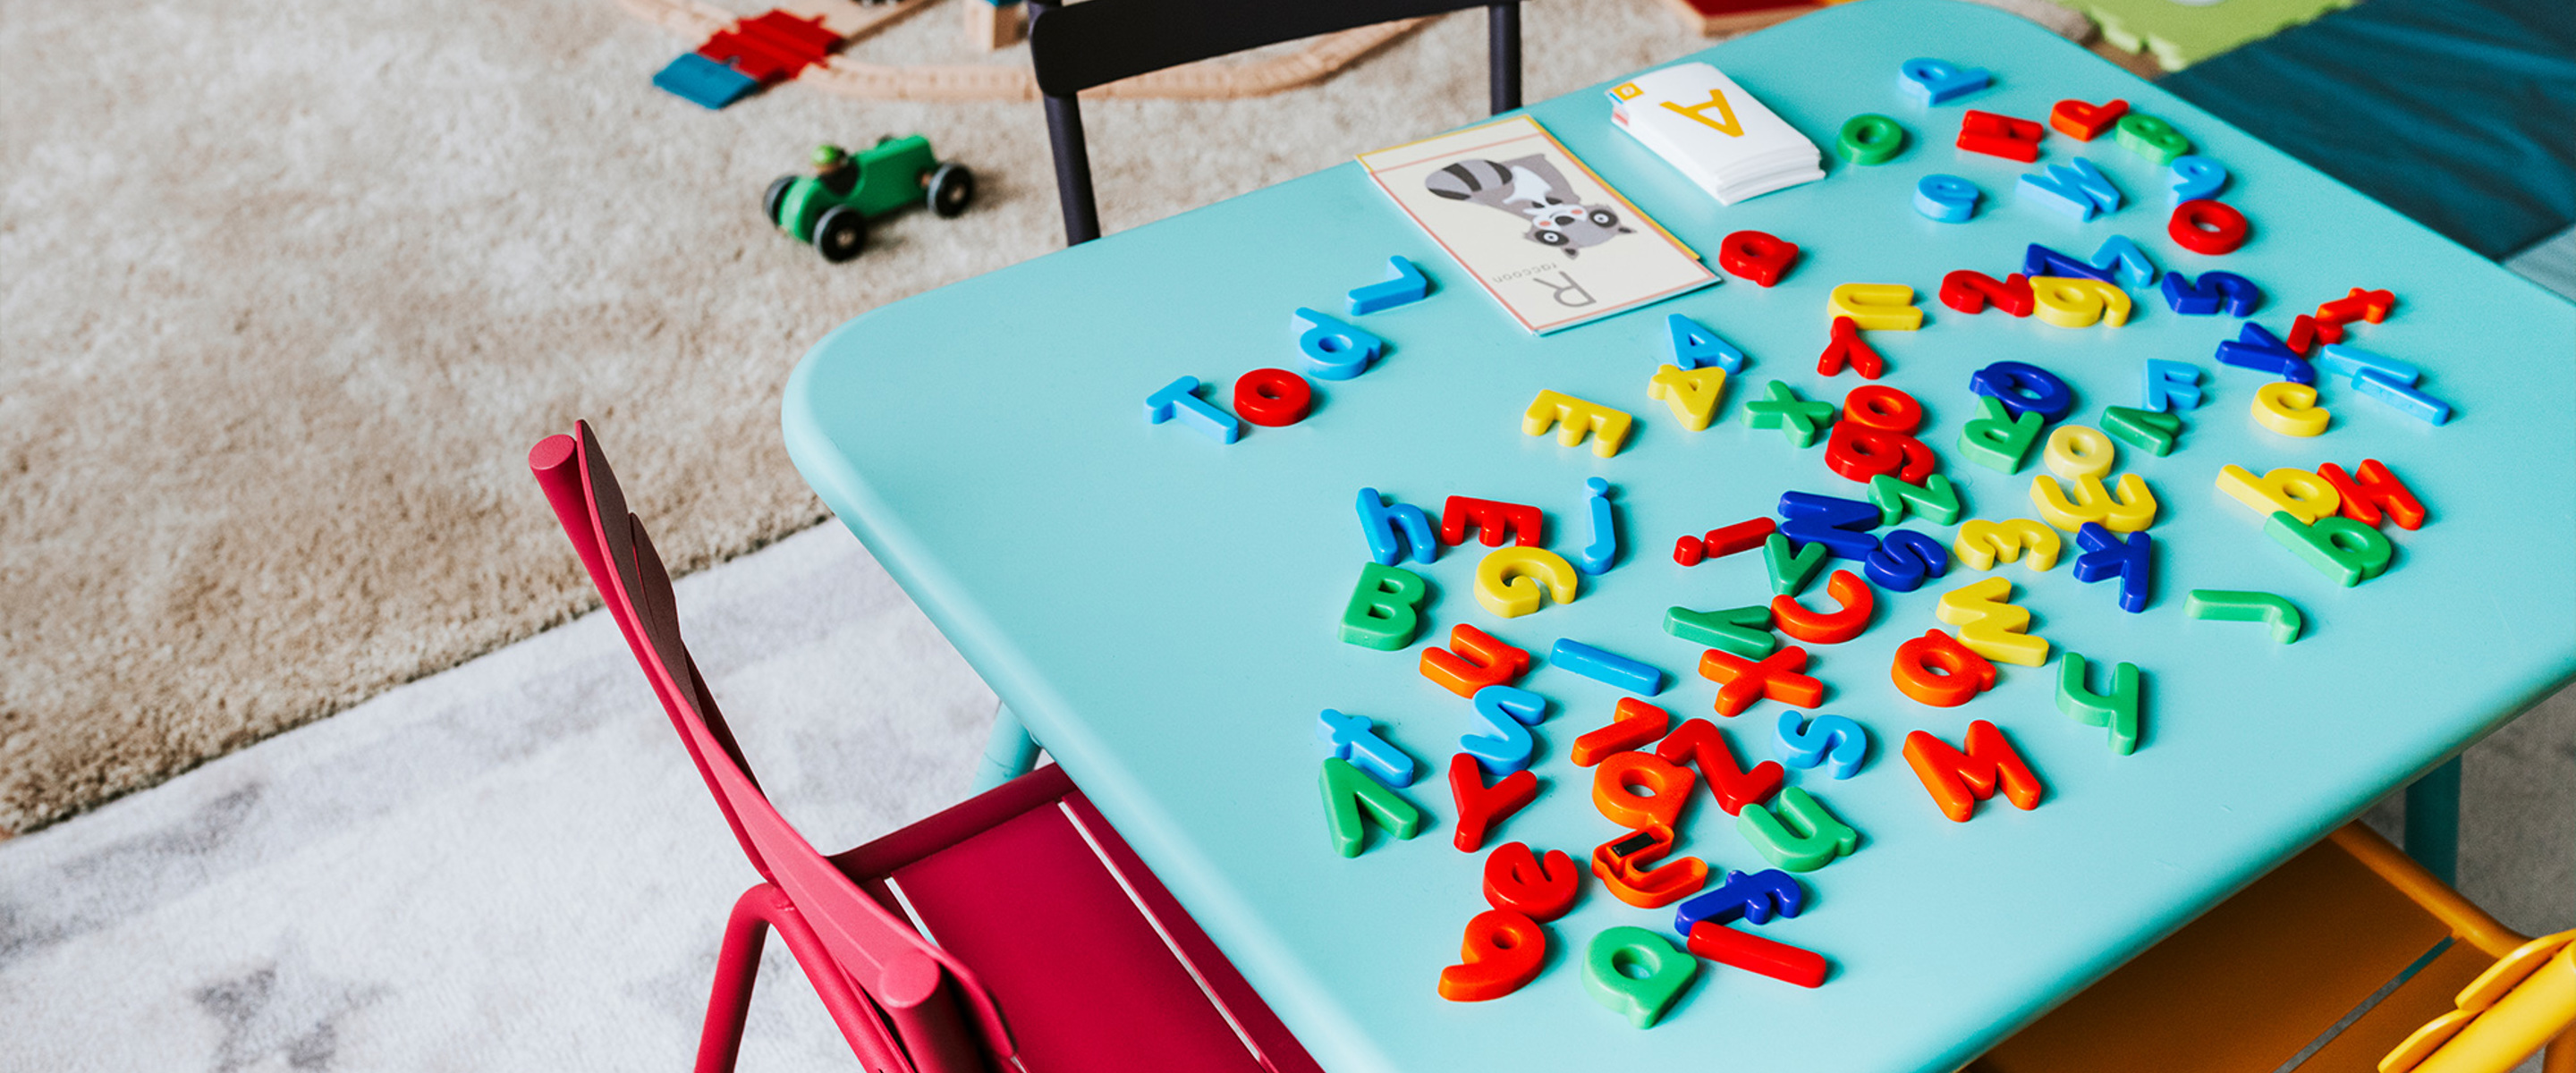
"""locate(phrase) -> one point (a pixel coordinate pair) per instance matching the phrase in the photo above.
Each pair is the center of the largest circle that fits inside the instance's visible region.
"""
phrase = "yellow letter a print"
(1717, 100)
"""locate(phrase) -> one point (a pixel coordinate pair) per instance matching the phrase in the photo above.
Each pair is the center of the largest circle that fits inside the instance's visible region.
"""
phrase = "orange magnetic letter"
(1937, 670)
(1494, 662)
(1667, 787)
(1959, 780)
(1638, 724)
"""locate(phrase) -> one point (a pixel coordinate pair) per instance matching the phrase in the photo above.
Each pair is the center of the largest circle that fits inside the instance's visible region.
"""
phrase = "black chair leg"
(1072, 170)
(1503, 21)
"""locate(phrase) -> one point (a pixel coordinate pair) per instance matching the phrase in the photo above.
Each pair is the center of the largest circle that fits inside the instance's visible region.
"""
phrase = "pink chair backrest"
(916, 984)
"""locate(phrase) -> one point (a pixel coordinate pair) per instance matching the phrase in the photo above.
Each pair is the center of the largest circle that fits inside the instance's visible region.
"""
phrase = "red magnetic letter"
(2209, 227)
(1522, 882)
(1847, 347)
(2373, 491)
(1502, 954)
(1701, 744)
(1753, 953)
(1999, 135)
(1495, 522)
(1480, 807)
(1968, 292)
(1272, 397)
(1756, 256)
(1822, 628)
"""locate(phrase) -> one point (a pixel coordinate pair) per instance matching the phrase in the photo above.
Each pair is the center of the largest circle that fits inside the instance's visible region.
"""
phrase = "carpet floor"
(512, 865)
(286, 289)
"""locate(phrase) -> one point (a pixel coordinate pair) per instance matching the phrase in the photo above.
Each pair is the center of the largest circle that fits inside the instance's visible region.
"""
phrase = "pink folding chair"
(1014, 930)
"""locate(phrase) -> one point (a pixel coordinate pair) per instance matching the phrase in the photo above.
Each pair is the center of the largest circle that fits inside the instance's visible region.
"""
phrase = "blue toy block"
(1506, 713)
(1608, 668)
(1354, 738)
(1825, 738)
(1904, 560)
(2171, 381)
(1946, 198)
(1338, 350)
(2260, 350)
(2106, 556)
(1180, 398)
(1753, 899)
(2120, 254)
(2407, 400)
(1393, 529)
(2194, 177)
(1934, 81)
(699, 80)
(2040, 261)
(2344, 359)
(1597, 555)
(1408, 286)
(2077, 188)
(2024, 388)
(1694, 345)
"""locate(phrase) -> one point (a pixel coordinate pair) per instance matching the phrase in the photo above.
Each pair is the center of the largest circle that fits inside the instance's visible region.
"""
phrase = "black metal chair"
(1093, 43)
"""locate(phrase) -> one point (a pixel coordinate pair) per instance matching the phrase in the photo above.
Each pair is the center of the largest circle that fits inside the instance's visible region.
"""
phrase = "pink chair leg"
(857, 1017)
(737, 964)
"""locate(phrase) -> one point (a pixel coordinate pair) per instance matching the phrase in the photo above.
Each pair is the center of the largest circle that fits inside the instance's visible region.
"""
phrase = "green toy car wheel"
(775, 196)
(952, 188)
(840, 233)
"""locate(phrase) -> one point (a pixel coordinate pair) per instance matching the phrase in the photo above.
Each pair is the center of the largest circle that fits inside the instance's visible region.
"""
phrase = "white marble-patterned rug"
(512, 866)
(507, 866)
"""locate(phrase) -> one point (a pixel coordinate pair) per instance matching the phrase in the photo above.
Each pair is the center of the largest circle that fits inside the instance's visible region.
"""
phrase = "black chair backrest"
(1093, 43)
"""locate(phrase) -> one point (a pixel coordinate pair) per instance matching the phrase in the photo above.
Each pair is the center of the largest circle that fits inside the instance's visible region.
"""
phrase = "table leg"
(2433, 821)
(1011, 752)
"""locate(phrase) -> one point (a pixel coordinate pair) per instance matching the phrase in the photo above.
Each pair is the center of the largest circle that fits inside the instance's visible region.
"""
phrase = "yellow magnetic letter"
(1505, 585)
(2077, 303)
(1876, 306)
(2290, 409)
(2075, 451)
(1692, 393)
(2132, 510)
(1990, 625)
(2304, 495)
(1982, 543)
(1574, 417)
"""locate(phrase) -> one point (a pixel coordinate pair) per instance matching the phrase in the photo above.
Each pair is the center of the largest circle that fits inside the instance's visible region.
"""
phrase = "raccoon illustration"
(1530, 188)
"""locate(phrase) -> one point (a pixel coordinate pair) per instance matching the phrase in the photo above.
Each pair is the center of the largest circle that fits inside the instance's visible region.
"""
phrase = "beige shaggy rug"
(288, 288)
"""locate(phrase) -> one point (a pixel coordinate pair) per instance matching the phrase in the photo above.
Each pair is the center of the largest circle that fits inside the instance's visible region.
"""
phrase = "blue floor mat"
(2458, 113)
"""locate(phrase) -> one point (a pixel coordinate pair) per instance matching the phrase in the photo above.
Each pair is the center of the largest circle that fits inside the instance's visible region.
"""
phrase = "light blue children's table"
(1161, 610)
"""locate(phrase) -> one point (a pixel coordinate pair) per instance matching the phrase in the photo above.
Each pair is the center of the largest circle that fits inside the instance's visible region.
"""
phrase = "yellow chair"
(2325, 965)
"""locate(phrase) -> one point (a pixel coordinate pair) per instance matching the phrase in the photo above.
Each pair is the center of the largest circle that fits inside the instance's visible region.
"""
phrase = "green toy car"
(831, 208)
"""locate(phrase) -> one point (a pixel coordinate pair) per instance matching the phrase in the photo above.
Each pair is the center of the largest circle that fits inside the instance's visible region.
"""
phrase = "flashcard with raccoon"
(1542, 233)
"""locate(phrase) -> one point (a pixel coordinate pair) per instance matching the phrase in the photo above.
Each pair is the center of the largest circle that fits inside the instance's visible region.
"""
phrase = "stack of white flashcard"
(1700, 121)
